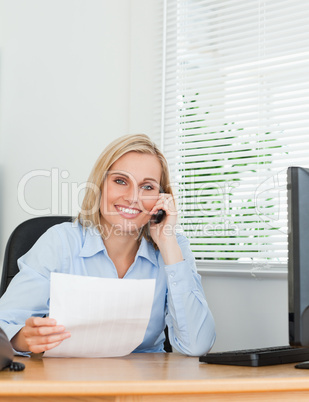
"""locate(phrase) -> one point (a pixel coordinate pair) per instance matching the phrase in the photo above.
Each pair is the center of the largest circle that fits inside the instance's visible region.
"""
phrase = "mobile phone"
(159, 216)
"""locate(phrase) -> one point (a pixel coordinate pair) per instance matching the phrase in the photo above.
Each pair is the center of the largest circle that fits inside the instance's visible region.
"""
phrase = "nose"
(132, 194)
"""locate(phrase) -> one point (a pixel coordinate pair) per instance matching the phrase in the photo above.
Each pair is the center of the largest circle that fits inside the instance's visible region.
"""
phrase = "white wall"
(250, 310)
(64, 94)
(146, 67)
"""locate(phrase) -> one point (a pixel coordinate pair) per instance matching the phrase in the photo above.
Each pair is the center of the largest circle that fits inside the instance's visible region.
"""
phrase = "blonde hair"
(90, 213)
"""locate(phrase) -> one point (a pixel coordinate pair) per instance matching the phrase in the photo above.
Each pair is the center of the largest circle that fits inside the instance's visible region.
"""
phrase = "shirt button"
(174, 283)
(172, 274)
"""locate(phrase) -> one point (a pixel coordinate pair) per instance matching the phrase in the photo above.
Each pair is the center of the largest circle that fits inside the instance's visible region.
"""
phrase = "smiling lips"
(131, 212)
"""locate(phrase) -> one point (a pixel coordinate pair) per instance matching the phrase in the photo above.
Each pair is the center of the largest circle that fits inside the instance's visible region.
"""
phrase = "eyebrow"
(115, 173)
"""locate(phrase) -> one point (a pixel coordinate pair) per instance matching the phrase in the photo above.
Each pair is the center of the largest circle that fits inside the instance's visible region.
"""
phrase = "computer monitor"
(298, 255)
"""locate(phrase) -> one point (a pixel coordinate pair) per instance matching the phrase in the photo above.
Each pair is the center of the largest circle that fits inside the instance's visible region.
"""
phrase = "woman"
(127, 187)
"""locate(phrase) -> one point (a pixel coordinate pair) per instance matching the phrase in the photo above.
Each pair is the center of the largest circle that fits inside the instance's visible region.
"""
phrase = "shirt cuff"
(180, 277)
(24, 354)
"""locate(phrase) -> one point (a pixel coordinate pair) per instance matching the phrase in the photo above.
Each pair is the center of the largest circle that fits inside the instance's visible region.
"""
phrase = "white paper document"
(106, 317)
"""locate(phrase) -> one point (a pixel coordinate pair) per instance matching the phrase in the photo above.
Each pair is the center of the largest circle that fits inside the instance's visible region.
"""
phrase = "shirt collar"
(94, 244)
(147, 251)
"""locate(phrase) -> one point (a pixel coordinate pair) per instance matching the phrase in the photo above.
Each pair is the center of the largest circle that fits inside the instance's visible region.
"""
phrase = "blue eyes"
(119, 181)
(147, 187)
(123, 182)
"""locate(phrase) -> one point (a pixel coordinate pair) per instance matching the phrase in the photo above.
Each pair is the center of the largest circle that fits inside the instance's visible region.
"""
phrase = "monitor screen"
(298, 255)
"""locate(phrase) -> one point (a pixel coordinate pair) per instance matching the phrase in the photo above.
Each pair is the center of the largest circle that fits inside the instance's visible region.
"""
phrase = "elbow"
(197, 347)
(203, 340)
(201, 348)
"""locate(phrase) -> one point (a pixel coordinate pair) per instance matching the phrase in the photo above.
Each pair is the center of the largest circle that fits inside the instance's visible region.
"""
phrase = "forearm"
(191, 325)
(190, 322)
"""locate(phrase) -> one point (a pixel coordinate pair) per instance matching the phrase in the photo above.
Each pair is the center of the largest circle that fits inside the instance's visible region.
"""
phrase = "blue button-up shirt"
(69, 248)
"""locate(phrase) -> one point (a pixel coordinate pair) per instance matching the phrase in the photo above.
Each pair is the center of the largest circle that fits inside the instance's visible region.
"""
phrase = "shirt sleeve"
(28, 293)
(190, 322)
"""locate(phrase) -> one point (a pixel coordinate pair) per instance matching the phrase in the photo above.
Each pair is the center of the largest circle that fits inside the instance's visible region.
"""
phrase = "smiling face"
(130, 191)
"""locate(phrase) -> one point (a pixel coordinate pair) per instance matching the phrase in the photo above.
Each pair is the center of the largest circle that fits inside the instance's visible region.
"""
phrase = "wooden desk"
(149, 378)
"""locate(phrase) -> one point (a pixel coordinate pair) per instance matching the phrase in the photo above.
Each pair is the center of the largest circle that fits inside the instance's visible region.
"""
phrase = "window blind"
(235, 116)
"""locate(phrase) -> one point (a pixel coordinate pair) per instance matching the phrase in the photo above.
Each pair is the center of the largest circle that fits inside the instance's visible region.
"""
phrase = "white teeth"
(128, 210)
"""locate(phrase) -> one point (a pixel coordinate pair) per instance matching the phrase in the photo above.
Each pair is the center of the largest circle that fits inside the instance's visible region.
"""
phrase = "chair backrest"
(21, 241)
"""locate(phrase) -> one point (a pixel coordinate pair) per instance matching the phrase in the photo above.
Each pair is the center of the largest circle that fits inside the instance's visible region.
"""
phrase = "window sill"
(254, 269)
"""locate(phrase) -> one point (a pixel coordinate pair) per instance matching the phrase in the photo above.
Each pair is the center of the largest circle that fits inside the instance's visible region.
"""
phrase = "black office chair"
(22, 239)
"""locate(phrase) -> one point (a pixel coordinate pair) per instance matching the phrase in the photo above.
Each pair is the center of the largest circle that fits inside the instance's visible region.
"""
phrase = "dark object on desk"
(298, 286)
(298, 255)
(21, 241)
(7, 355)
(258, 357)
(303, 365)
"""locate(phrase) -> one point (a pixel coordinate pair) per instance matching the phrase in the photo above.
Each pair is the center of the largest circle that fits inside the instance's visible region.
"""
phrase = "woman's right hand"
(38, 335)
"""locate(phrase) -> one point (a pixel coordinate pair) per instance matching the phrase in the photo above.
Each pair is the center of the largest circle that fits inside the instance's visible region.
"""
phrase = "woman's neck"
(122, 250)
